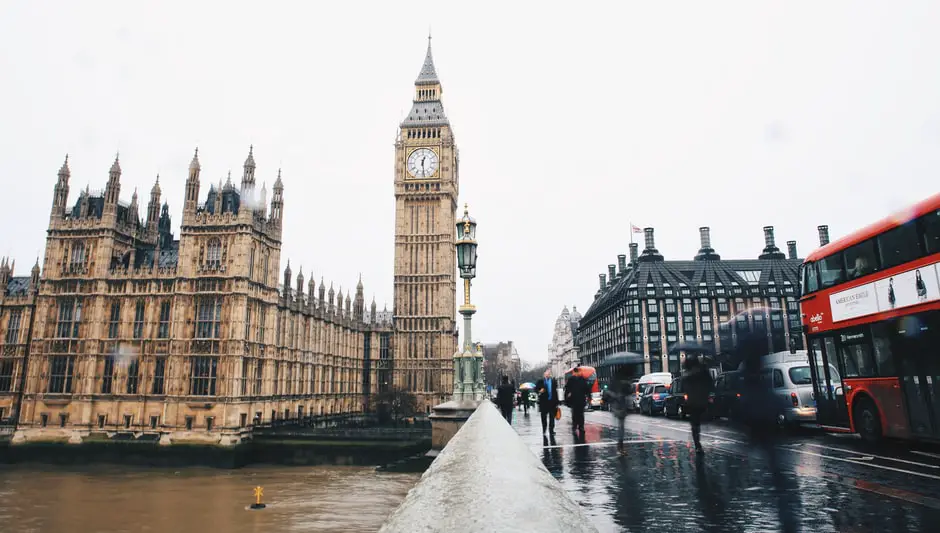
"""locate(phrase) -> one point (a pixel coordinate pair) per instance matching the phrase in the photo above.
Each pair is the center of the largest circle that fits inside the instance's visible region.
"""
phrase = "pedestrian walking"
(547, 388)
(576, 396)
(697, 384)
(619, 398)
(759, 410)
(526, 402)
(504, 398)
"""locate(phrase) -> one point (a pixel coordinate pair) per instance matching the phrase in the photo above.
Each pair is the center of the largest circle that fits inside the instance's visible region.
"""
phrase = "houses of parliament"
(198, 338)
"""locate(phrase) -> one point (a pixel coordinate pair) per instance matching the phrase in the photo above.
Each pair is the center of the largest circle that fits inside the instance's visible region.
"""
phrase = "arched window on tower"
(77, 260)
(214, 253)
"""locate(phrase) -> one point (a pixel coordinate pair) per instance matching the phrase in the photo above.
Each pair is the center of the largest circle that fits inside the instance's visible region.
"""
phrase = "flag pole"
(631, 232)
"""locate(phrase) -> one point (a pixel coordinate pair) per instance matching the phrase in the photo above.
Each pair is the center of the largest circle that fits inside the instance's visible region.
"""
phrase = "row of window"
(907, 242)
(203, 377)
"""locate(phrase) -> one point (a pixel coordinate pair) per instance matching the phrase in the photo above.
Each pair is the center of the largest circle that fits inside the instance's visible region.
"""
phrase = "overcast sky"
(571, 124)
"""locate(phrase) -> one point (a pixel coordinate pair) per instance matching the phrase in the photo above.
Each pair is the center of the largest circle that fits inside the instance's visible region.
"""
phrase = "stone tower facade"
(131, 332)
(426, 188)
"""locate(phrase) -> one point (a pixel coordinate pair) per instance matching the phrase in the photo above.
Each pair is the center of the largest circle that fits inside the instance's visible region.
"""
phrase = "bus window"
(831, 271)
(882, 345)
(858, 361)
(810, 278)
(930, 224)
(899, 245)
(860, 260)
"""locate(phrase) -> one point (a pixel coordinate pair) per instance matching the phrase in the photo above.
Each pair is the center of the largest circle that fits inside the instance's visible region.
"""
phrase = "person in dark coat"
(576, 396)
(505, 395)
(697, 384)
(619, 398)
(759, 410)
(547, 389)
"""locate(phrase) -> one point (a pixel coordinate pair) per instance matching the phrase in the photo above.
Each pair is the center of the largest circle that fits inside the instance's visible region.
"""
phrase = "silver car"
(790, 378)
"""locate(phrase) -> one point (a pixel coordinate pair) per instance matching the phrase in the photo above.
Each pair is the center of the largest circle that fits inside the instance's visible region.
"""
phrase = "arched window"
(214, 253)
(77, 261)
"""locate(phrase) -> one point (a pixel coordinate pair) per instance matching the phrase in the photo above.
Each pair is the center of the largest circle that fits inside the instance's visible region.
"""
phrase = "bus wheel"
(867, 422)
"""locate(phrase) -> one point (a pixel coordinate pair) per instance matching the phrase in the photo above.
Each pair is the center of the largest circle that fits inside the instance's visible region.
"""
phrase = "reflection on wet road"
(833, 484)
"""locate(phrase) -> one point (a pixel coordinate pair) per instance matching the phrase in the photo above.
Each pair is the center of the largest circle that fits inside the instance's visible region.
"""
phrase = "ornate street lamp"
(468, 361)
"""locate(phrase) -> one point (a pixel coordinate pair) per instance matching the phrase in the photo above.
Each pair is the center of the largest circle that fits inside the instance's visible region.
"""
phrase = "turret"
(372, 309)
(348, 312)
(300, 285)
(339, 301)
(6, 272)
(331, 295)
(153, 207)
(34, 278)
(113, 190)
(359, 303)
(287, 277)
(277, 201)
(192, 184)
(322, 296)
(61, 191)
(132, 210)
(311, 286)
(248, 174)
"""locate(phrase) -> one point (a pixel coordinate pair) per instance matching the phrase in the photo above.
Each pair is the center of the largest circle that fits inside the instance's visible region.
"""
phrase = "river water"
(111, 499)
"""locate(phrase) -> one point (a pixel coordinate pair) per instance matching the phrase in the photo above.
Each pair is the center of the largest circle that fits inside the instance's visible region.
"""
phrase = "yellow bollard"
(259, 492)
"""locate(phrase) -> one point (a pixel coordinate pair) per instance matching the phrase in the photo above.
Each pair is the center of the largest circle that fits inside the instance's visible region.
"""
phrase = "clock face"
(422, 163)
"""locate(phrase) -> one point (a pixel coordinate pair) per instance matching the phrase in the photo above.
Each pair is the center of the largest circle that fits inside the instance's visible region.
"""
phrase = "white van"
(656, 378)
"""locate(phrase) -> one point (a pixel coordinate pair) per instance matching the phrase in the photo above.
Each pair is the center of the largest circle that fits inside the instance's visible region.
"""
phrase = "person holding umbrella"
(524, 400)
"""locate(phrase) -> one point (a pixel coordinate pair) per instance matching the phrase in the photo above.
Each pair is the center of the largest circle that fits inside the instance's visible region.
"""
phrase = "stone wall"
(487, 479)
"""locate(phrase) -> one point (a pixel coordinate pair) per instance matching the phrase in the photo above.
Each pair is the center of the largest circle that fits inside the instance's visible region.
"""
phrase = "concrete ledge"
(487, 479)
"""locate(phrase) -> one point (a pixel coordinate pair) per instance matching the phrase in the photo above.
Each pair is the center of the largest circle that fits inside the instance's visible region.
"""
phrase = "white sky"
(571, 123)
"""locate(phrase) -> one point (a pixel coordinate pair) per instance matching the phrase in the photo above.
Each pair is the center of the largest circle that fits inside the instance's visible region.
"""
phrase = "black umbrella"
(690, 347)
(622, 358)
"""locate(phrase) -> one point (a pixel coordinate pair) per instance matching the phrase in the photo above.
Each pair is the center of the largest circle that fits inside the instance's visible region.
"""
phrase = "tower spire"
(428, 74)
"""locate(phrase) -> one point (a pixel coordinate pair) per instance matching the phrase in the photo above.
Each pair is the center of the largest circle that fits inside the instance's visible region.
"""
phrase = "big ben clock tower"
(426, 185)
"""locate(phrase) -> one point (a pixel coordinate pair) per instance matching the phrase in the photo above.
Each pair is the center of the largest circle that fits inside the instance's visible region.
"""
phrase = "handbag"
(558, 413)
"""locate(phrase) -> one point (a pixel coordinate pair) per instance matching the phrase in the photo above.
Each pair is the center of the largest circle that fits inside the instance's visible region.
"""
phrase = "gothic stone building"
(426, 187)
(131, 331)
(649, 304)
(562, 352)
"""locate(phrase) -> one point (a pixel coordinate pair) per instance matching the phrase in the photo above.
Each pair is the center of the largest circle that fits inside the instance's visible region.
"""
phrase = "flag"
(636, 229)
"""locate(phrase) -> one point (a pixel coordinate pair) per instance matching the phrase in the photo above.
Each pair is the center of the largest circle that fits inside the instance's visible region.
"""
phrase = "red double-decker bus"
(871, 313)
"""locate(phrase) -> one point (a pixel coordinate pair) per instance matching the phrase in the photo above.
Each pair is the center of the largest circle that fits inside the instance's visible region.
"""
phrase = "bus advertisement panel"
(870, 309)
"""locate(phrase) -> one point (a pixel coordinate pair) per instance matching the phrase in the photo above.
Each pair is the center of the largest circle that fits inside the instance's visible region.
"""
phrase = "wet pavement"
(833, 483)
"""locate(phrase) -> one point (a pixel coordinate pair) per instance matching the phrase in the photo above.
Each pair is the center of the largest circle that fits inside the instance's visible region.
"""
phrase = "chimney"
(769, 237)
(648, 237)
(634, 252)
(791, 249)
(612, 273)
(705, 236)
(770, 248)
(823, 235)
(603, 280)
(622, 263)
(706, 251)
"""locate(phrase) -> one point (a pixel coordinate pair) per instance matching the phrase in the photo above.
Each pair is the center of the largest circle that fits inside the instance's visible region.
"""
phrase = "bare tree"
(394, 405)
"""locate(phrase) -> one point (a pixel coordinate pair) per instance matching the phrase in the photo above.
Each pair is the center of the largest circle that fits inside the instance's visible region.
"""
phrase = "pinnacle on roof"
(228, 180)
(64, 170)
(278, 184)
(428, 74)
(359, 285)
(194, 164)
(116, 166)
(250, 161)
(156, 186)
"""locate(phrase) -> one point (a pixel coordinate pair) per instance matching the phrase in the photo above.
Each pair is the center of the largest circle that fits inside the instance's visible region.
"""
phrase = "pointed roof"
(278, 184)
(194, 164)
(250, 161)
(116, 166)
(64, 170)
(428, 74)
(156, 187)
